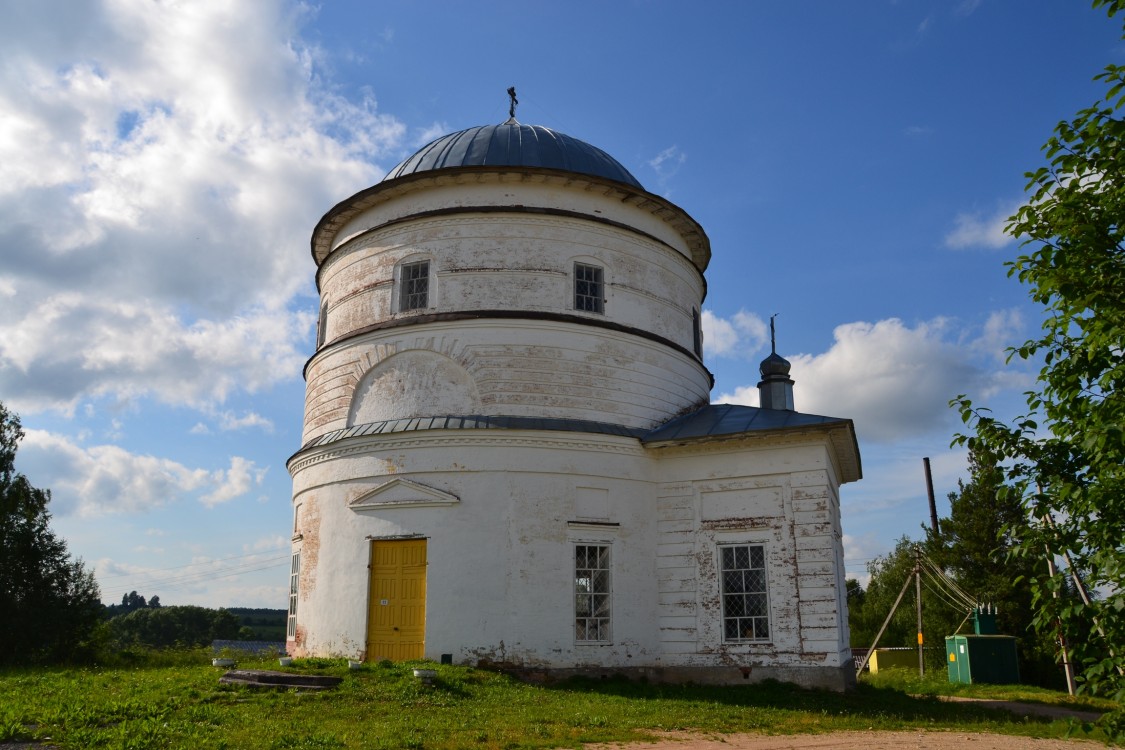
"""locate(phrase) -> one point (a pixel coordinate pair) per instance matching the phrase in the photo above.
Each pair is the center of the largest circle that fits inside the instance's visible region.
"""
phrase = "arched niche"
(414, 383)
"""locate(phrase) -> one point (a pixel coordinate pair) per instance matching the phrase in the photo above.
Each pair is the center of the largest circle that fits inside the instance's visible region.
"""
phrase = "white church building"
(509, 457)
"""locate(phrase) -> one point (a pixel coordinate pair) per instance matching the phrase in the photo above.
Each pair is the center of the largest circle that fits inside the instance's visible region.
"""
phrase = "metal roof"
(512, 144)
(718, 420)
(715, 421)
(474, 422)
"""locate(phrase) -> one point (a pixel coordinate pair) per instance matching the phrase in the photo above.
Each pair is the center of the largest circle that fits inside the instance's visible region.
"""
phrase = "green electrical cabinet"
(982, 658)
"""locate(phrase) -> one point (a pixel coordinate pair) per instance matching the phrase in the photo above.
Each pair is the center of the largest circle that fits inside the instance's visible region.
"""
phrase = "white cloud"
(1003, 329)
(746, 395)
(228, 421)
(268, 544)
(918, 131)
(980, 230)
(892, 380)
(433, 132)
(181, 151)
(966, 8)
(239, 479)
(74, 344)
(205, 580)
(752, 329)
(858, 552)
(719, 335)
(101, 479)
(667, 163)
(743, 334)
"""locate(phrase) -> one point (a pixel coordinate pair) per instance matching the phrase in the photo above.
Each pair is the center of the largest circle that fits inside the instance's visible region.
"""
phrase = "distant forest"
(267, 624)
(190, 624)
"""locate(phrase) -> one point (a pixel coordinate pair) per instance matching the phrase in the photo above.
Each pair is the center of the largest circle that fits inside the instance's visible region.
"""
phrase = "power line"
(187, 565)
(184, 579)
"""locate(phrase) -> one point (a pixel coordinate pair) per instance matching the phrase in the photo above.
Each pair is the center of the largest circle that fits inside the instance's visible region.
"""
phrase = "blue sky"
(162, 165)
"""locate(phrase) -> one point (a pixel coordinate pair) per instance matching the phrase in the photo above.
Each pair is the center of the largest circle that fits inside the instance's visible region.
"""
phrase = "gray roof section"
(474, 422)
(512, 144)
(718, 420)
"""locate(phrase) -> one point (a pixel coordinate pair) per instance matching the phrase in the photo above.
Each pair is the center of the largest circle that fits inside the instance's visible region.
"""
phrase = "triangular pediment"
(398, 493)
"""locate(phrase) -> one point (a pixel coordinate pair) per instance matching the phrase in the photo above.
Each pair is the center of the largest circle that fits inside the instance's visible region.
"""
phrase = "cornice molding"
(377, 443)
(339, 215)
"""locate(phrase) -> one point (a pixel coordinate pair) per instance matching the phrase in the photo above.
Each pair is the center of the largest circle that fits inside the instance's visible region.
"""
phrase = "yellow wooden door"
(396, 618)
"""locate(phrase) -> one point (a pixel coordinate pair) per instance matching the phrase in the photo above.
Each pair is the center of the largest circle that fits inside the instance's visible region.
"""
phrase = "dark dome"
(774, 364)
(511, 144)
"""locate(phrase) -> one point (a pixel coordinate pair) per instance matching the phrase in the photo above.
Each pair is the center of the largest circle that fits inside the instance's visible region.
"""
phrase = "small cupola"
(775, 391)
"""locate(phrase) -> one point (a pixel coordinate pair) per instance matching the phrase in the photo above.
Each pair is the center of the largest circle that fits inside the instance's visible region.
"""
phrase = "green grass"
(936, 683)
(175, 701)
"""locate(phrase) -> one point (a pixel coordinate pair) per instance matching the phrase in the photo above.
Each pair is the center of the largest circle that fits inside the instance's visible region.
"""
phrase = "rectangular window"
(591, 592)
(414, 286)
(745, 600)
(588, 288)
(294, 576)
(322, 325)
(696, 334)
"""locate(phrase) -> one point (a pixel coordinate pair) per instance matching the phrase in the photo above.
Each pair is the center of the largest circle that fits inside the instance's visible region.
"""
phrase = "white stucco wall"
(518, 261)
(647, 214)
(500, 576)
(537, 368)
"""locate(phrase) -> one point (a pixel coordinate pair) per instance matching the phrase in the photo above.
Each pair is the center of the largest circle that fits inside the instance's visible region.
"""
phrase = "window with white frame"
(414, 286)
(745, 598)
(294, 577)
(591, 592)
(589, 289)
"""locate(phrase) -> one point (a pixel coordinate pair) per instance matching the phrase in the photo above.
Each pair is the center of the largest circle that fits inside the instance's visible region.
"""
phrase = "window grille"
(696, 333)
(294, 577)
(591, 592)
(745, 597)
(414, 286)
(322, 325)
(589, 291)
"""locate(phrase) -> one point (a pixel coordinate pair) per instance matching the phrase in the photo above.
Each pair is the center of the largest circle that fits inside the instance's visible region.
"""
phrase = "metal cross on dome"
(514, 101)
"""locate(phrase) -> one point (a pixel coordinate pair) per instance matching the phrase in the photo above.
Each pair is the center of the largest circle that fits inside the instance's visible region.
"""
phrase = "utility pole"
(1068, 668)
(918, 599)
(883, 628)
(930, 495)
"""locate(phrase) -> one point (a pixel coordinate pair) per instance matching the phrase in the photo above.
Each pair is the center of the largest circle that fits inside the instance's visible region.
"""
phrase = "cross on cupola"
(775, 391)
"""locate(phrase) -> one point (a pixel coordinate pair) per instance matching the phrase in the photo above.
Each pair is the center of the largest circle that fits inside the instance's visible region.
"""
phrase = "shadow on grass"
(866, 701)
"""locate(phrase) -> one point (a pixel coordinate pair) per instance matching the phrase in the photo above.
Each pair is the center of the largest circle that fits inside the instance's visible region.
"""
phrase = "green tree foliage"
(867, 612)
(49, 604)
(1065, 459)
(130, 602)
(975, 547)
(265, 624)
(164, 627)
